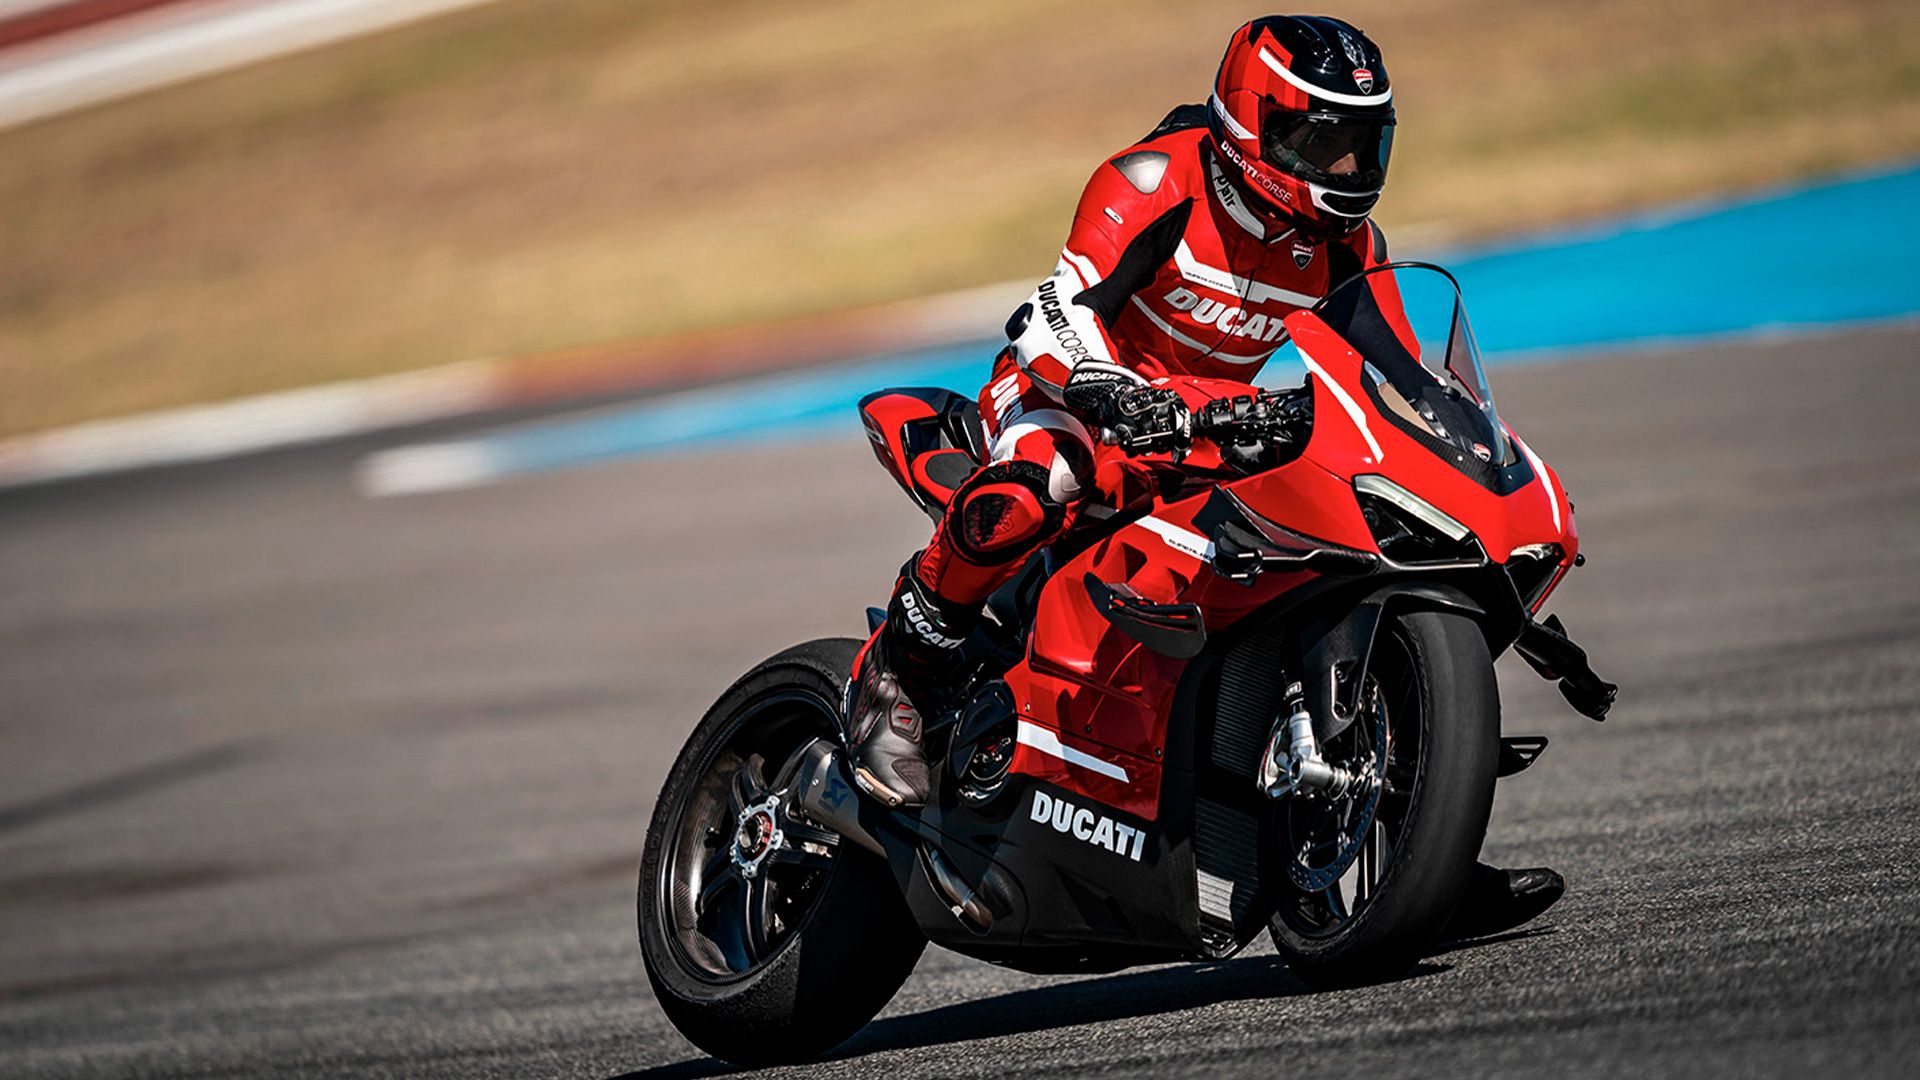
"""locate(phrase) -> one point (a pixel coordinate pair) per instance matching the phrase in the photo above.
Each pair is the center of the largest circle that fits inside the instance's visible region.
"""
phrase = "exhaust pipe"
(961, 898)
(826, 794)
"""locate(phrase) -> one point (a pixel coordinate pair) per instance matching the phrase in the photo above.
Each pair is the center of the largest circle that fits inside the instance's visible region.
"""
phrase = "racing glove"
(1136, 417)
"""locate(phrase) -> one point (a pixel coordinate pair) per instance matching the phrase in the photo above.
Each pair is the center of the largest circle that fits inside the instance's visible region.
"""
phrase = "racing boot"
(904, 671)
(1501, 900)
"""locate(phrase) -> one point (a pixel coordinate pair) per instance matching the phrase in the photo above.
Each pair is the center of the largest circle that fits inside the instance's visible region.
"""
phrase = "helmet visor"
(1340, 153)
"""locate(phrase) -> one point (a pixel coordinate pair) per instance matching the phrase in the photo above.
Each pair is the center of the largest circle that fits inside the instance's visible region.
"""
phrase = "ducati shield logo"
(1363, 79)
(1087, 826)
(1302, 255)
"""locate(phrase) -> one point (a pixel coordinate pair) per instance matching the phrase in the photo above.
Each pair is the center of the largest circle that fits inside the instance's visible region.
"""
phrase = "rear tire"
(835, 939)
(1430, 823)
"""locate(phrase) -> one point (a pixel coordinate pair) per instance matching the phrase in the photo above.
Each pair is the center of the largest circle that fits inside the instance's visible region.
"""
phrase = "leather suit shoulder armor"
(1142, 182)
(1144, 169)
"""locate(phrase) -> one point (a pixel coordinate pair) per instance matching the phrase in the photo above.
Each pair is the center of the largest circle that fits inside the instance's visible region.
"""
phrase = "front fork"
(1293, 765)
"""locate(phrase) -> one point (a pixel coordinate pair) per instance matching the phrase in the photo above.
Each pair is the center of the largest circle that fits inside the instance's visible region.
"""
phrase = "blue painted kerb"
(1838, 253)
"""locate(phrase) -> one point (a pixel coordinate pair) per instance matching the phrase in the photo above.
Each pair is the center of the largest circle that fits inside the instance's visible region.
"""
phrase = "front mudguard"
(1332, 644)
(1333, 640)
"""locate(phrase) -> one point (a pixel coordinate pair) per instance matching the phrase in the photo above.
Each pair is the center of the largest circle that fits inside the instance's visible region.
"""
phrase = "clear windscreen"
(1423, 368)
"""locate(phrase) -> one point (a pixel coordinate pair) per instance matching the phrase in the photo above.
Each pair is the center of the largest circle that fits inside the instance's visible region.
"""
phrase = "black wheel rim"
(742, 871)
(1386, 740)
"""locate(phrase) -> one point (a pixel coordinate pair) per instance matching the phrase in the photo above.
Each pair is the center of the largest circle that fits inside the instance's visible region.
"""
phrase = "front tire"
(767, 940)
(1431, 679)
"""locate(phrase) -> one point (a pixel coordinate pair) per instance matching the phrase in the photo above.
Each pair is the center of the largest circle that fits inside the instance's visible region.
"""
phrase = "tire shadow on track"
(1126, 996)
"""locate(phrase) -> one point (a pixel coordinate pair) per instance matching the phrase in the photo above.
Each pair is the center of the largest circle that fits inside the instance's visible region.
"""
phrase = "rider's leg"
(1018, 502)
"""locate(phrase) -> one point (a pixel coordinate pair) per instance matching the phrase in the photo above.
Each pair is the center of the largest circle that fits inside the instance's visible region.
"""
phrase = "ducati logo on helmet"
(1302, 254)
(1363, 79)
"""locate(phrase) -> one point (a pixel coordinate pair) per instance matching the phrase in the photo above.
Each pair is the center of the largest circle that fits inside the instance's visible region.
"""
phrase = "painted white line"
(429, 467)
(270, 421)
(1233, 126)
(1048, 742)
(143, 52)
(292, 418)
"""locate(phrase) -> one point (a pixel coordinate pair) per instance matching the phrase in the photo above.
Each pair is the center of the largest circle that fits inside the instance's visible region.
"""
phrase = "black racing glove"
(1149, 419)
(1137, 418)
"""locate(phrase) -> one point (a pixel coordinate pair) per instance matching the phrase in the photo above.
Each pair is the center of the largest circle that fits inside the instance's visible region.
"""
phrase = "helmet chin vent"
(1345, 205)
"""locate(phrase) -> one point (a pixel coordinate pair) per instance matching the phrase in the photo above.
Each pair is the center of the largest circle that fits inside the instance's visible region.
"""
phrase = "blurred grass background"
(543, 174)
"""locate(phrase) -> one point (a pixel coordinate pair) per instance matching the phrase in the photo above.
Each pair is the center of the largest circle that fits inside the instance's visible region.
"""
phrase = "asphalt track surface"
(297, 783)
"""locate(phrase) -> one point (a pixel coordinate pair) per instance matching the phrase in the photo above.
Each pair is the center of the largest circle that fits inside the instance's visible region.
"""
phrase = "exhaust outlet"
(824, 792)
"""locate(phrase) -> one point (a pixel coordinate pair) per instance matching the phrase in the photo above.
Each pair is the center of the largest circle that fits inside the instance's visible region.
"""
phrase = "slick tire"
(854, 946)
(1445, 819)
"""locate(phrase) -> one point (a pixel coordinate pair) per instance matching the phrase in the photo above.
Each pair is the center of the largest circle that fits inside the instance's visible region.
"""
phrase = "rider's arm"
(1126, 227)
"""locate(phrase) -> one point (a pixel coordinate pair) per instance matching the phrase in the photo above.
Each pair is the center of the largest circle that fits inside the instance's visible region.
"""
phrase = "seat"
(929, 438)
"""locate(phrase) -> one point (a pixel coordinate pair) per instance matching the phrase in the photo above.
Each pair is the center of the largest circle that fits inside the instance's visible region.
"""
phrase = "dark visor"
(1336, 152)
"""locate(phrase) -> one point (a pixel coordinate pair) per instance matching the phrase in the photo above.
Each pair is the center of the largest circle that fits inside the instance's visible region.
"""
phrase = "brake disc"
(1353, 835)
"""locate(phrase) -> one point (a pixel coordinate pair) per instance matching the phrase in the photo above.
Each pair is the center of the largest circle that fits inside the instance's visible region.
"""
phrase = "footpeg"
(1518, 752)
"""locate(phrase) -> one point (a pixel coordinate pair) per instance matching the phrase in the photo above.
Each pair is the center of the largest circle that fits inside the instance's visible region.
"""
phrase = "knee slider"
(1003, 510)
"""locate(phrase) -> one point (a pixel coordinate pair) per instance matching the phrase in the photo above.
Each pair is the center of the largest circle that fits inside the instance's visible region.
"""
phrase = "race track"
(299, 783)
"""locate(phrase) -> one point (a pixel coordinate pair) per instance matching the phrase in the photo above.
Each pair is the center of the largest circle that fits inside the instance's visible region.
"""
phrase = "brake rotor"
(1353, 835)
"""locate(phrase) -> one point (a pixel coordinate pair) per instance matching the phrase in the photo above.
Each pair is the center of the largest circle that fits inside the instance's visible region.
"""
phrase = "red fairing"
(885, 417)
(1351, 439)
(1105, 698)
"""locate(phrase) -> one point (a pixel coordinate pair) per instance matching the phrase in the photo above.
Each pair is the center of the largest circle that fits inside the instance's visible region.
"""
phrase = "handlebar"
(1269, 415)
(1151, 419)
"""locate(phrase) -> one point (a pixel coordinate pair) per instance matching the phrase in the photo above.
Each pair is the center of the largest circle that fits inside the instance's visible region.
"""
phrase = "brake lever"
(1245, 418)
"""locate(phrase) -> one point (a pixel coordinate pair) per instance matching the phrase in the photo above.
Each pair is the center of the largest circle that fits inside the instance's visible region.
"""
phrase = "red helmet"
(1302, 121)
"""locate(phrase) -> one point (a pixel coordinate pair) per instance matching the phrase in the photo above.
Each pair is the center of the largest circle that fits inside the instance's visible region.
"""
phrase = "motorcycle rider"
(1185, 251)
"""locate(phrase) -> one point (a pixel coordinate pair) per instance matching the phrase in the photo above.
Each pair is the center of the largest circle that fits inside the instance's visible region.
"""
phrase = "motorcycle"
(1259, 698)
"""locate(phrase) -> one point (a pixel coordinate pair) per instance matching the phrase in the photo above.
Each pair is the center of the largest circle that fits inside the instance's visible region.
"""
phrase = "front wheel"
(1366, 882)
(767, 939)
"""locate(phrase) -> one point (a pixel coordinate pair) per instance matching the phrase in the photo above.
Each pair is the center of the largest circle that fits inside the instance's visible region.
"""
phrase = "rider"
(1186, 250)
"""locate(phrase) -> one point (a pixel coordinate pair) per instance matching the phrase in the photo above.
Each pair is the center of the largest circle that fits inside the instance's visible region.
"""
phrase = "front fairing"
(1351, 438)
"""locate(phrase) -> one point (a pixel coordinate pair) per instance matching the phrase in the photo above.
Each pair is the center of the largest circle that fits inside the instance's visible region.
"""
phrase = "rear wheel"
(766, 938)
(1366, 882)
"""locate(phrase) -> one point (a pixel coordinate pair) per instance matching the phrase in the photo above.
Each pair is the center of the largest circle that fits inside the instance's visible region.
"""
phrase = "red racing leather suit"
(1166, 272)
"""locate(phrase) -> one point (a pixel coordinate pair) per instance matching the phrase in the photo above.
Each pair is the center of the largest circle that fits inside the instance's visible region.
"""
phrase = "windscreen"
(1407, 321)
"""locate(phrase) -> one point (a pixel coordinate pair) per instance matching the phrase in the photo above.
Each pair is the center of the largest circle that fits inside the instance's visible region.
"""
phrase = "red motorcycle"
(1261, 698)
